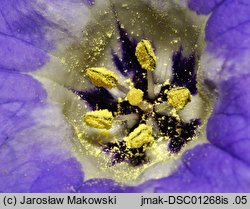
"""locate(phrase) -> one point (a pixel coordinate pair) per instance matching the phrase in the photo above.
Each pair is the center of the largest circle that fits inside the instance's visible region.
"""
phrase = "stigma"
(135, 96)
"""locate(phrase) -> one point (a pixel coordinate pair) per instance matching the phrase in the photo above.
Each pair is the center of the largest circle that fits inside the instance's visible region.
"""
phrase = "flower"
(45, 146)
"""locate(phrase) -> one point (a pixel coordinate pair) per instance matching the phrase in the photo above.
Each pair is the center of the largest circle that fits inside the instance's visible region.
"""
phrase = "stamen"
(150, 78)
(132, 116)
(141, 136)
(152, 123)
(145, 106)
(102, 77)
(130, 119)
(101, 119)
(178, 97)
(162, 108)
(122, 88)
(147, 59)
(145, 55)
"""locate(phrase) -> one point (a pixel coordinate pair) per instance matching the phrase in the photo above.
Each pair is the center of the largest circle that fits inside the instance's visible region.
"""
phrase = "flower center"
(145, 116)
(140, 106)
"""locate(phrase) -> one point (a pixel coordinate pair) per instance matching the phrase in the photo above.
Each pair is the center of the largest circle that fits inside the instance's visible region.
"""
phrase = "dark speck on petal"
(129, 64)
(98, 98)
(184, 73)
(89, 2)
(187, 132)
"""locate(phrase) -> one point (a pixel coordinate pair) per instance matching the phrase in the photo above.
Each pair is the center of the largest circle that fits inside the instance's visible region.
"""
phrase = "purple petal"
(89, 2)
(63, 177)
(204, 169)
(103, 186)
(229, 126)
(228, 40)
(19, 94)
(34, 157)
(22, 37)
(42, 23)
(227, 37)
(19, 55)
(23, 23)
(31, 152)
(227, 31)
(204, 6)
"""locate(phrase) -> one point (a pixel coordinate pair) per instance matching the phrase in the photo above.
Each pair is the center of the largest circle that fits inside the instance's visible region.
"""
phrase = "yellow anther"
(178, 97)
(102, 77)
(145, 55)
(142, 135)
(101, 119)
(135, 96)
